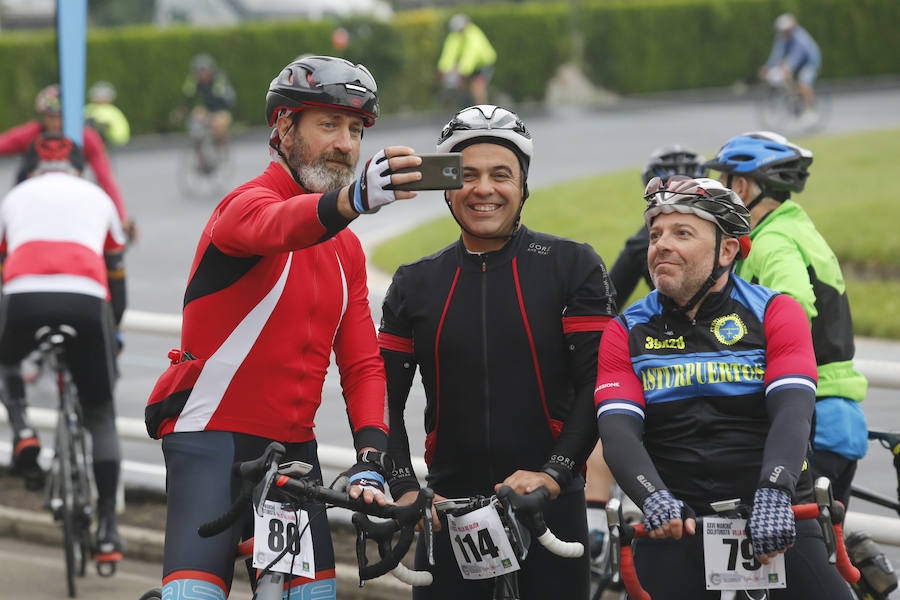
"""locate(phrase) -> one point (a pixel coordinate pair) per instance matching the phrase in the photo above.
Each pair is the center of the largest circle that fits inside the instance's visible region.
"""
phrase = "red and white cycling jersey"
(54, 230)
(272, 291)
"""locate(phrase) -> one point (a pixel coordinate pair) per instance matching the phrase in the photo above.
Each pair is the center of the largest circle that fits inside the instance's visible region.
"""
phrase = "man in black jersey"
(504, 325)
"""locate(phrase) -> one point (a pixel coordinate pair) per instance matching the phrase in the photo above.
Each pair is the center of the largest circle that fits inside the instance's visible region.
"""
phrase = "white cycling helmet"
(486, 123)
(785, 22)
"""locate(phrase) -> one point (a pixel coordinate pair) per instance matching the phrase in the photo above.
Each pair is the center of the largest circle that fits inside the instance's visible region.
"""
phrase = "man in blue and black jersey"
(705, 392)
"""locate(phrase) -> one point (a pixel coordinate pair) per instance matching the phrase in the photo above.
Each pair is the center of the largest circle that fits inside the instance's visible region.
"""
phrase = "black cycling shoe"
(26, 449)
(108, 546)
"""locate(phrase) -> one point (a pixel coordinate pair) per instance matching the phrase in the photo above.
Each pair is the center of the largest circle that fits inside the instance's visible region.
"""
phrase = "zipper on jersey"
(484, 357)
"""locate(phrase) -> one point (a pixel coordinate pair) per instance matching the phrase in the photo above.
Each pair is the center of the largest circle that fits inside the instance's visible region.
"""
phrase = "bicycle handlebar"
(835, 515)
(402, 518)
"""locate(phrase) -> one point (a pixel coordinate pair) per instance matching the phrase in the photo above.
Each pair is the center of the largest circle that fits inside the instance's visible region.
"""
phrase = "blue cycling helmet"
(778, 166)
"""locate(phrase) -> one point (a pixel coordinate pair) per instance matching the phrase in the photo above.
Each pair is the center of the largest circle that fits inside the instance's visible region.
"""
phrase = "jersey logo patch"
(728, 329)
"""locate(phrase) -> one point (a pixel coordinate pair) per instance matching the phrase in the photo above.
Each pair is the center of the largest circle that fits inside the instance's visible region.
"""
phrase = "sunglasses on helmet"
(474, 119)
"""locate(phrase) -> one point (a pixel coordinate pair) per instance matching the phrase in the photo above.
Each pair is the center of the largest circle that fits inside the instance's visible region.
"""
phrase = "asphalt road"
(570, 143)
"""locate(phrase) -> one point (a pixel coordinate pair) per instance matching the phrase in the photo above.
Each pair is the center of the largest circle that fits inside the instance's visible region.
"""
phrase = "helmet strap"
(762, 194)
(714, 275)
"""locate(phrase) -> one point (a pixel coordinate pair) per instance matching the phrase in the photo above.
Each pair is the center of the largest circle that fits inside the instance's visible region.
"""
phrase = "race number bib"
(277, 528)
(729, 561)
(480, 544)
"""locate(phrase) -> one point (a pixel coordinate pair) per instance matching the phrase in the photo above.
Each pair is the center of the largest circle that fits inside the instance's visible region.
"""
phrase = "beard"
(316, 173)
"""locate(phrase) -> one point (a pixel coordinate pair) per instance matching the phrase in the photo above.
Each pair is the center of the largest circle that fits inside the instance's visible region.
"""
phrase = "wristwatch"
(378, 458)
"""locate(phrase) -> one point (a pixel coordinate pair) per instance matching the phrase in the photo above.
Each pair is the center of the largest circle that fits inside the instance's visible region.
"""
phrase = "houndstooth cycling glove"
(659, 508)
(771, 521)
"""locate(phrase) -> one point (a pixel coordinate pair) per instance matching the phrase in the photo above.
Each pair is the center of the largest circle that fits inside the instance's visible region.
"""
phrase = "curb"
(147, 545)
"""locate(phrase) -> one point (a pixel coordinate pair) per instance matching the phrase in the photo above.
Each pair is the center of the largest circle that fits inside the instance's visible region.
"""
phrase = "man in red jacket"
(277, 283)
(48, 106)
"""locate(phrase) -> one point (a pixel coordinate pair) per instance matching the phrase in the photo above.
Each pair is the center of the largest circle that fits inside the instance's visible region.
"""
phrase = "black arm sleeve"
(399, 369)
(790, 414)
(115, 277)
(624, 452)
(631, 265)
(578, 436)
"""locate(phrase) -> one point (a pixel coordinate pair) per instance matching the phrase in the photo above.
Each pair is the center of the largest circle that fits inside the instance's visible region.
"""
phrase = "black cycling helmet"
(778, 166)
(323, 81)
(674, 159)
(51, 152)
(709, 200)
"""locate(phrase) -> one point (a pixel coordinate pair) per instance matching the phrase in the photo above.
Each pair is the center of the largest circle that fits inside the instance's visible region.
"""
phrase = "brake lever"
(614, 519)
(271, 472)
(515, 529)
(825, 500)
(428, 529)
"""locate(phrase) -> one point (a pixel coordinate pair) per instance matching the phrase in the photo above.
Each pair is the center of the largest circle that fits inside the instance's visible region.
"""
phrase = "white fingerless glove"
(373, 189)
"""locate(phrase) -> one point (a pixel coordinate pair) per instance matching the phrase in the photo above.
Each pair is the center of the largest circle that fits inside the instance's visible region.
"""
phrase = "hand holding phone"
(441, 171)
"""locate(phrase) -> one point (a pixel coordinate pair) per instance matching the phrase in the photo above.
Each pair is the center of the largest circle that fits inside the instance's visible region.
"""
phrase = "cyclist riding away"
(48, 106)
(208, 97)
(278, 282)
(504, 326)
(467, 56)
(705, 392)
(795, 57)
(63, 243)
(790, 256)
(104, 116)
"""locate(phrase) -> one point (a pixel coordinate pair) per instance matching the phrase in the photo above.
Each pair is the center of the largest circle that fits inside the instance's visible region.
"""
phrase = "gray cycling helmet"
(323, 81)
(673, 159)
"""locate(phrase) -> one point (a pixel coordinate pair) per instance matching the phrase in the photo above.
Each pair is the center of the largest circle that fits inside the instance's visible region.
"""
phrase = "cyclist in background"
(278, 282)
(208, 97)
(791, 256)
(705, 392)
(795, 56)
(467, 56)
(48, 106)
(63, 244)
(504, 326)
(104, 116)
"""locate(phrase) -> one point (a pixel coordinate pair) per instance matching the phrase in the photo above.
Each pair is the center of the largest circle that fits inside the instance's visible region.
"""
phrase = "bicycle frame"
(890, 441)
(68, 488)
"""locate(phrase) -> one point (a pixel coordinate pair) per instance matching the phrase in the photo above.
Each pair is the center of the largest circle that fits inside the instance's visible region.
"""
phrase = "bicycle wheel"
(203, 169)
(775, 109)
(154, 594)
(71, 538)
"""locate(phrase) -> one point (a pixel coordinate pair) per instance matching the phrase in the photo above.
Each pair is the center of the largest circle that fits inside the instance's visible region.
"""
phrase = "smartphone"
(442, 171)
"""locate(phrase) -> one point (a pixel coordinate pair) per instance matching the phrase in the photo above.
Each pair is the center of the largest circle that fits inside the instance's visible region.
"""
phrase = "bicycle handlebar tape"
(629, 576)
(219, 525)
(413, 578)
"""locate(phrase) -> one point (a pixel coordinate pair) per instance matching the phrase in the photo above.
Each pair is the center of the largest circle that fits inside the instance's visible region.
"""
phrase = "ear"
(284, 123)
(728, 250)
(741, 186)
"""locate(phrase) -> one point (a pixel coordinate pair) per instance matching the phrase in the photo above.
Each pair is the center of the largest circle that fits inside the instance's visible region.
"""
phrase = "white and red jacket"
(276, 283)
(54, 230)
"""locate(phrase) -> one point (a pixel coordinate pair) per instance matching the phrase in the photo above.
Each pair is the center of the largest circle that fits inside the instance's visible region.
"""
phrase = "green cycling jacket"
(789, 255)
(466, 51)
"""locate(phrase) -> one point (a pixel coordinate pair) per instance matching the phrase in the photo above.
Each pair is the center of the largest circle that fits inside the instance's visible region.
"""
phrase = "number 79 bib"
(729, 562)
(480, 544)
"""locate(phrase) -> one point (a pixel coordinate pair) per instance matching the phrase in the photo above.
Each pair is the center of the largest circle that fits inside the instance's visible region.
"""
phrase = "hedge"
(629, 46)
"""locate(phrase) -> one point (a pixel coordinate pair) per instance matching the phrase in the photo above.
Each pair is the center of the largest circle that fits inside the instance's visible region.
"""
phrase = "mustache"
(337, 155)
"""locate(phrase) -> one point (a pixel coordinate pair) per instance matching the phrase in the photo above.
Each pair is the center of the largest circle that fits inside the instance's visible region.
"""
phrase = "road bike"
(68, 488)
(483, 550)
(204, 166)
(827, 511)
(781, 107)
(878, 577)
(606, 581)
(285, 487)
